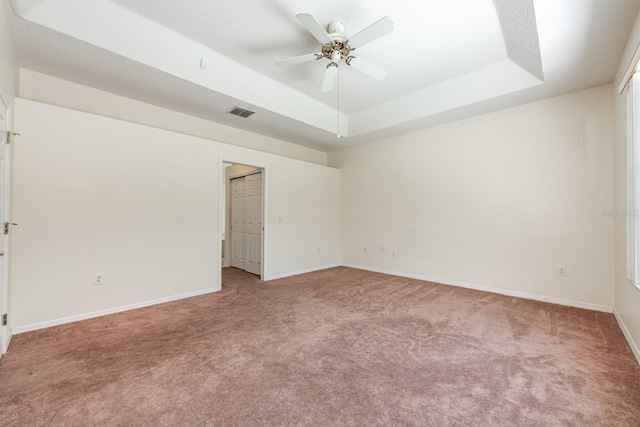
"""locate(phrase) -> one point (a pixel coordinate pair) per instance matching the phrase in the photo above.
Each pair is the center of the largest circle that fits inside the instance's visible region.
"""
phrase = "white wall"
(44, 88)
(140, 204)
(627, 296)
(7, 62)
(498, 201)
(308, 213)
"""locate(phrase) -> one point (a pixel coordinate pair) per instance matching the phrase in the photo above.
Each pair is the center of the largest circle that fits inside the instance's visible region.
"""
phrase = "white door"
(238, 223)
(246, 223)
(253, 211)
(4, 187)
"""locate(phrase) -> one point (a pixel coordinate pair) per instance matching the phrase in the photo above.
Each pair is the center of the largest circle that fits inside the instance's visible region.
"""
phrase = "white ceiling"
(446, 59)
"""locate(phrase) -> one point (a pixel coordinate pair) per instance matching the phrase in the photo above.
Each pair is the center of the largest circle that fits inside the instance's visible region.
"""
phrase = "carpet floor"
(332, 348)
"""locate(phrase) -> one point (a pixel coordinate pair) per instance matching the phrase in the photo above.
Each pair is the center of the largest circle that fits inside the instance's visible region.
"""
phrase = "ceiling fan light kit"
(336, 46)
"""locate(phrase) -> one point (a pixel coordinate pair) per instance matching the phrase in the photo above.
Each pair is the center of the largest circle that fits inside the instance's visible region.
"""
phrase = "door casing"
(222, 205)
(5, 215)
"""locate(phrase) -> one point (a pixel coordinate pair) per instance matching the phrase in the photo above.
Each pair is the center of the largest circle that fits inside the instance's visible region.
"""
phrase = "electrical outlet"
(562, 271)
(365, 250)
(394, 253)
(318, 250)
(98, 279)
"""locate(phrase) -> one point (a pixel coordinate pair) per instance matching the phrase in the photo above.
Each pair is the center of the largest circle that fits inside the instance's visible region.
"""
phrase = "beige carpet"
(332, 348)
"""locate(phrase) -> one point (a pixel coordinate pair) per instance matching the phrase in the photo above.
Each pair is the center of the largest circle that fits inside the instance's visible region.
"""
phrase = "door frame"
(222, 206)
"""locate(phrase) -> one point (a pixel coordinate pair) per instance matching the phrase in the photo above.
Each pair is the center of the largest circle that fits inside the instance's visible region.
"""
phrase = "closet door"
(238, 223)
(253, 227)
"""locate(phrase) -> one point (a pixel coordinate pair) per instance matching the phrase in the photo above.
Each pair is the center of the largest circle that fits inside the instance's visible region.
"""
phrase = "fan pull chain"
(338, 130)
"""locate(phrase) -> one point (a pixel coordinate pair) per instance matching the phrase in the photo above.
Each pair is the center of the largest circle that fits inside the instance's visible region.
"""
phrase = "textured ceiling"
(446, 60)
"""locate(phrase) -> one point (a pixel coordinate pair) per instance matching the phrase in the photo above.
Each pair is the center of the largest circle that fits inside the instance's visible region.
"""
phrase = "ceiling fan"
(336, 46)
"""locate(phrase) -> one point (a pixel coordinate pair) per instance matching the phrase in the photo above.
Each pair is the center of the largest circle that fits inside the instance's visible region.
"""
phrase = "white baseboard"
(9, 336)
(295, 273)
(627, 335)
(84, 316)
(507, 292)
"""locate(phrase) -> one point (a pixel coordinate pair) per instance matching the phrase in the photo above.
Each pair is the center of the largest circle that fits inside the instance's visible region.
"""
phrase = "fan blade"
(314, 27)
(329, 78)
(367, 68)
(372, 32)
(297, 59)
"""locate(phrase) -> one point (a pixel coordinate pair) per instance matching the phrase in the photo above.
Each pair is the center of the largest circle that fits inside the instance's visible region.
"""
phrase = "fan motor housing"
(336, 31)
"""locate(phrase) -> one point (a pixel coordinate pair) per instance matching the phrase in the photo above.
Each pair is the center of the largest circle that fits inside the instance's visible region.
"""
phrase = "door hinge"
(7, 226)
(4, 319)
(10, 136)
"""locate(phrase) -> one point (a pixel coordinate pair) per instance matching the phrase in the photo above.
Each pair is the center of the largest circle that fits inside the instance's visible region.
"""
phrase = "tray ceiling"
(446, 60)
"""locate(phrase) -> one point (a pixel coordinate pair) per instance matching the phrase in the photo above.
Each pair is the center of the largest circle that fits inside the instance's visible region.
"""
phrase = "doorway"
(243, 217)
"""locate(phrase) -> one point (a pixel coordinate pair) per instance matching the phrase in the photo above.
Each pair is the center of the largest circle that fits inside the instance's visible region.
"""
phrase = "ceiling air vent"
(242, 112)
